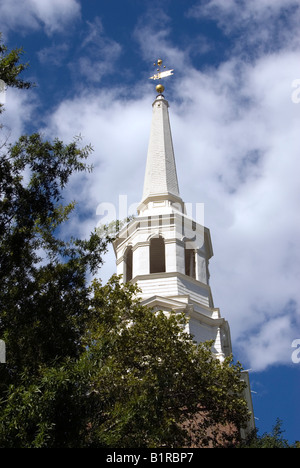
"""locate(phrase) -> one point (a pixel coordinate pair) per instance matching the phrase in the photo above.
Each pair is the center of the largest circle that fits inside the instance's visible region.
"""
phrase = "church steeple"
(163, 250)
(161, 182)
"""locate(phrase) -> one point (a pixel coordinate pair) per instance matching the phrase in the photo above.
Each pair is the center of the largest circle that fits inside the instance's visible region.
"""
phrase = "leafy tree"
(137, 383)
(151, 378)
(43, 278)
(10, 68)
(267, 440)
(87, 364)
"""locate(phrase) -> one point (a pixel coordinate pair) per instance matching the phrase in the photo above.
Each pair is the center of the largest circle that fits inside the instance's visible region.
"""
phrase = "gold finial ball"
(159, 62)
(160, 88)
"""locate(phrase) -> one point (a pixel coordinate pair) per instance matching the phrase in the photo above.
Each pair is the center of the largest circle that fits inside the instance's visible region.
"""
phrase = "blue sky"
(235, 114)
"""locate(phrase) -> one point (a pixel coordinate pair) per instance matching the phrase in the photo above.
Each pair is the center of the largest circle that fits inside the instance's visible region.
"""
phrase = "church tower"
(165, 251)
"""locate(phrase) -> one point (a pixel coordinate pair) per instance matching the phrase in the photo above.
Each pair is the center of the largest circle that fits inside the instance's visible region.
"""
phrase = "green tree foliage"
(43, 278)
(43, 296)
(150, 377)
(271, 440)
(137, 382)
(10, 68)
(87, 364)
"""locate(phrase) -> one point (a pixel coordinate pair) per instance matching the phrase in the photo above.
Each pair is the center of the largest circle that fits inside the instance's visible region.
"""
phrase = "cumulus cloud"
(118, 131)
(20, 108)
(51, 15)
(240, 131)
(272, 343)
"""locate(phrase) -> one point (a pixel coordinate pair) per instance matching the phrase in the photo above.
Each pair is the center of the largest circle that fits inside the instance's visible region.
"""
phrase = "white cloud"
(118, 131)
(262, 24)
(271, 344)
(152, 35)
(54, 54)
(19, 110)
(243, 11)
(98, 54)
(52, 15)
(240, 134)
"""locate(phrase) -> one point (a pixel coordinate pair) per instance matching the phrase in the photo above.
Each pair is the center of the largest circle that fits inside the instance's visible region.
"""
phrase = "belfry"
(165, 251)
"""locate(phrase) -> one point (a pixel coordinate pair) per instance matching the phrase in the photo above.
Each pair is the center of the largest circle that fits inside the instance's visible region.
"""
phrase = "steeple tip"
(161, 74)
(160, 181)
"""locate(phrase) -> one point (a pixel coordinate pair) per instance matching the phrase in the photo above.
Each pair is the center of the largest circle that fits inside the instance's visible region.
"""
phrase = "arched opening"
(128, 264)
(190, 262)
(157, 255)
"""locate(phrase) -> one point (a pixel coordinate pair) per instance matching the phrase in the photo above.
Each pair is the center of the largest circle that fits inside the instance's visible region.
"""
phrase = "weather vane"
(161, 74)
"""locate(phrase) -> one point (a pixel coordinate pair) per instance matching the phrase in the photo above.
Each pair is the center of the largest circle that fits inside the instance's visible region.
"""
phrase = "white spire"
(160, 176)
